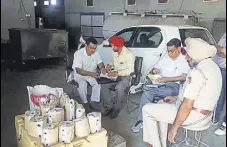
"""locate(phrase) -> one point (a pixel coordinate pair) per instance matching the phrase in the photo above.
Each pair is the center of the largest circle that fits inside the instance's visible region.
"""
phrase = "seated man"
(200, 95)
(144, 42)
(123, 65)
(173, 68)
(85, 63)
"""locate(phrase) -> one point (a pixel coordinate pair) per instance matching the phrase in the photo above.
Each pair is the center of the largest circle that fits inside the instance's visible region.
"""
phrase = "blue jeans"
(150, 94)
(222, 98)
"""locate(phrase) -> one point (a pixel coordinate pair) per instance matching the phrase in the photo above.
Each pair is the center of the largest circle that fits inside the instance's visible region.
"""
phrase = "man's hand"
(163, 80)
(155, 71)
(112, 74)
(94, 75)
(172, 134)
(108, 67)
(103, 70)
(170, 99)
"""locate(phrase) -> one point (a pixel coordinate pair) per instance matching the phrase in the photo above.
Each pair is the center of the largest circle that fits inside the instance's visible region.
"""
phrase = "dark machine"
(32, 44)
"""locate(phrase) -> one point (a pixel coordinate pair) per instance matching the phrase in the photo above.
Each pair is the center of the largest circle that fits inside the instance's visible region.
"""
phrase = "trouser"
(150, 94)
(82, 89)
(222, 98)
(114, 99)
(156, 118)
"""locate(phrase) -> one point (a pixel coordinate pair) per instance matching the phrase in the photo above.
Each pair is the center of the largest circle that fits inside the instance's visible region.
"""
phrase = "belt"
(202, 111)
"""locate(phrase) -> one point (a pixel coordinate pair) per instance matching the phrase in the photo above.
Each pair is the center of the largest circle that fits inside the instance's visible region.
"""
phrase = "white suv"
(149, 42)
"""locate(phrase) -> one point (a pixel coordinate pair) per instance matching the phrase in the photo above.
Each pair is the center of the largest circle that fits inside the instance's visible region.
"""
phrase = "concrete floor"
(14, 101)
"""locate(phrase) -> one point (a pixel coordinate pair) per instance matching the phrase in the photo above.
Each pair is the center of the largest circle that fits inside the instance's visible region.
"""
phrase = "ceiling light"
(53, 2)
(46, 3)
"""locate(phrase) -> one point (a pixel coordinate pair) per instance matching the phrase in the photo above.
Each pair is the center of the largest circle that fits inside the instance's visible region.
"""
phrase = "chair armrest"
(69, 68)
(133, 75)
(135, 78)
(74, 83)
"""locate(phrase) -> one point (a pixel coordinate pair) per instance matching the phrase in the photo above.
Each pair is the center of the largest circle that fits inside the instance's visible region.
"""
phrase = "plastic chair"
(135, 83)
(68, 70)
(197, 132)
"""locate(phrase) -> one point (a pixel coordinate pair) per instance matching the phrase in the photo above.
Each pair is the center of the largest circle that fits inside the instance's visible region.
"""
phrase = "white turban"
(199, 49)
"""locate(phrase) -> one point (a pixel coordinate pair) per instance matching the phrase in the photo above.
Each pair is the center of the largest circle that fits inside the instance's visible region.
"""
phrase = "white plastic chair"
(197, 132)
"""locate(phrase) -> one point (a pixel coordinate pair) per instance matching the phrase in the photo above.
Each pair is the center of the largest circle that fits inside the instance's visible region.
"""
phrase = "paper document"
(106, 76)
(154, 81)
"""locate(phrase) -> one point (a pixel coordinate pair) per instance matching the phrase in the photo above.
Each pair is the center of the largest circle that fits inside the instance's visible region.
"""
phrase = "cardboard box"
(25, 140)
(19, 122)
(98, 139)
(116, 140)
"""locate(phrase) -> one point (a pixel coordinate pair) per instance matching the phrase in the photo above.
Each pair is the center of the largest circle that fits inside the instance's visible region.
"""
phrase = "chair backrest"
(137, 71)
(69, 60)
(207, 118)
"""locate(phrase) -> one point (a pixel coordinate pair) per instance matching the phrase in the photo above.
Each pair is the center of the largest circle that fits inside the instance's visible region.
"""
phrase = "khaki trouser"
(115, 99)
(156, 118)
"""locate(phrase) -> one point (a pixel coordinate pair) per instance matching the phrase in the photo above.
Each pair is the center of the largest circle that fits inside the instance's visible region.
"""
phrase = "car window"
(149, 37)
(127, 35)
(196, 33)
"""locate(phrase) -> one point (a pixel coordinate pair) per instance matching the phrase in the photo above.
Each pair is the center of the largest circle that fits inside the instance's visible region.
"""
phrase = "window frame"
(124, 30)
(162, 3)
(89, 6)
(138, 32)
(183, 38)
(127, 2)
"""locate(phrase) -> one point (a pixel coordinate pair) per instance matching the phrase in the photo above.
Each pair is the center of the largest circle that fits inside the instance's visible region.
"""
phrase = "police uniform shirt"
(203, 84)
(172, 68)
(221, 61)
(124, 62)
(85, 62)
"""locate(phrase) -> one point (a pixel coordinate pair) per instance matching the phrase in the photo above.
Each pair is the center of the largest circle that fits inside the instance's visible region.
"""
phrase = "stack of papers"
(154, 81)
(106, 76)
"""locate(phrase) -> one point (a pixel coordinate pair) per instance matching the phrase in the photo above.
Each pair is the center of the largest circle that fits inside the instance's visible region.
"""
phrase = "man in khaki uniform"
(123, 65)
(200, 94)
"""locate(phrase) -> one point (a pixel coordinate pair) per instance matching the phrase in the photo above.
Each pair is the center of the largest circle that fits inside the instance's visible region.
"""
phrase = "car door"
(105, 49)
(149, 43)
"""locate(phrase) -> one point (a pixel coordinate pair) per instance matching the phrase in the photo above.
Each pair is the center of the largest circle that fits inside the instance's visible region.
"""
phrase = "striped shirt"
(220, 60)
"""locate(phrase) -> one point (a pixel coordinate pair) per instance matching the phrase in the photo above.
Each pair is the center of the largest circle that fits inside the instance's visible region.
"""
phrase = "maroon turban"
(117, 41)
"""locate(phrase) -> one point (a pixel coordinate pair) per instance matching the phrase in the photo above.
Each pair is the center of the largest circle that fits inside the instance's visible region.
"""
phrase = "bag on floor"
(42, 94)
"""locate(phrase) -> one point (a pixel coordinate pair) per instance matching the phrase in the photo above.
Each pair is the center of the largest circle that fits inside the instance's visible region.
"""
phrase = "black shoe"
(114, 114)
(107, 112)
(87, 108)
(95, 106)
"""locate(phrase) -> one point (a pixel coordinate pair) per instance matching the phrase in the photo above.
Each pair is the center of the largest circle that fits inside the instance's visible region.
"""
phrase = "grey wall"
(10, 18)
(209, 10)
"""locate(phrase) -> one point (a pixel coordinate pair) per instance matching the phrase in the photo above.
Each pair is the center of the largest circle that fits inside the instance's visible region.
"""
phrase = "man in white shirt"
(85, 63)
(200, 95)
(173, 68)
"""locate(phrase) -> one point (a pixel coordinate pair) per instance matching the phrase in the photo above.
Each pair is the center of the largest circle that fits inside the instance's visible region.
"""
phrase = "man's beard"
(115, 50)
